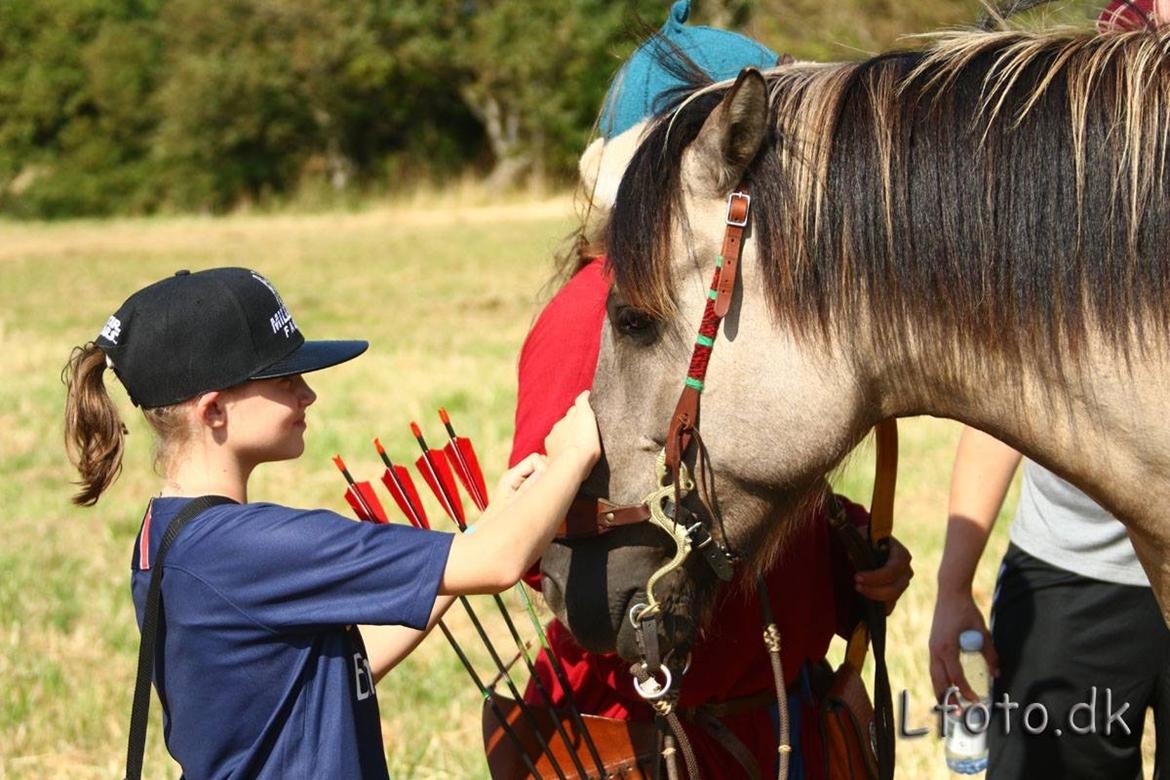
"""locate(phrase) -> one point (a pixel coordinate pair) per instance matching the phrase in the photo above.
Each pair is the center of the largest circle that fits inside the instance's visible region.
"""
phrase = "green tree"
(75, 109)
(536, 71)
(261, 94)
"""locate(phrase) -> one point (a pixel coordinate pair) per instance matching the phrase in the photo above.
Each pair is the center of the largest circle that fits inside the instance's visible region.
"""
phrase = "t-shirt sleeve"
(290, 569)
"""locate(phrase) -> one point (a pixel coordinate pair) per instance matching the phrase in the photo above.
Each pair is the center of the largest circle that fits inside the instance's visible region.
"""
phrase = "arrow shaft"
(524, 709)
(487, 696)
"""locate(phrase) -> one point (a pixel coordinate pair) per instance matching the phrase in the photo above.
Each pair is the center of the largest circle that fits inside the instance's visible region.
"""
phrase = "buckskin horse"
(976, 230)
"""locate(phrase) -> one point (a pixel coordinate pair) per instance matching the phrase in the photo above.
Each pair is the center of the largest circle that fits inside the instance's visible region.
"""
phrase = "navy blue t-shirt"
(260, 669)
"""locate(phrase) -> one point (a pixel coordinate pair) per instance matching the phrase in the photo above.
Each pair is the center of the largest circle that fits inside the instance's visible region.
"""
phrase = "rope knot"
(772, 638)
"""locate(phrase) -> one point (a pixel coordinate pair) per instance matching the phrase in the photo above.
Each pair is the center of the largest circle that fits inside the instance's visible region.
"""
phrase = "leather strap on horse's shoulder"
(885, 479)
(870, 554)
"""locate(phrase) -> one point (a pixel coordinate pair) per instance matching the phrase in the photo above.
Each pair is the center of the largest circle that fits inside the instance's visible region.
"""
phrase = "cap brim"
(313, 356)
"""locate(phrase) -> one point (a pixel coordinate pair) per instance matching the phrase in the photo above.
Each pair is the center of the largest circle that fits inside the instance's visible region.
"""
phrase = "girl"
(260, 667)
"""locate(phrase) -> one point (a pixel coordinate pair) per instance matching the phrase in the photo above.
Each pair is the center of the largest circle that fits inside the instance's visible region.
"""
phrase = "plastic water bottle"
(966, 748)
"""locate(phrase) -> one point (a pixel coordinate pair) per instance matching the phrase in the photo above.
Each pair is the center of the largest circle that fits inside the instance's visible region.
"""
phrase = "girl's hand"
(576, 435)
(516, 478)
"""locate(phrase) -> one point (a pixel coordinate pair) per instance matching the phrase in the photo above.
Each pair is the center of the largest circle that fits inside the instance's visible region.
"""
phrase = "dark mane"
(1010, 187)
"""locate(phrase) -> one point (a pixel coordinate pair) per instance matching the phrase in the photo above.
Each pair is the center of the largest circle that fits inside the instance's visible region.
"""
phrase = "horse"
(976, 230)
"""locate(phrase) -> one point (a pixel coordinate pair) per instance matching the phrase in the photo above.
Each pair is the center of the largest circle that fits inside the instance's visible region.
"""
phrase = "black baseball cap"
(195, 332)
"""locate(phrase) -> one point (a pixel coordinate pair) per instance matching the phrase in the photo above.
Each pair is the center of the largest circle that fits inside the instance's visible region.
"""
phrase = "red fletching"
(361, 497)
(402, 490)
(397, 480)
(437, 473)
(378, 514)
(351, 498)
(461, 455)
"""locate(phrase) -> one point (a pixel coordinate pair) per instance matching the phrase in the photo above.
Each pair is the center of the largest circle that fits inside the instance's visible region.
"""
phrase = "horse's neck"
(1103, 425)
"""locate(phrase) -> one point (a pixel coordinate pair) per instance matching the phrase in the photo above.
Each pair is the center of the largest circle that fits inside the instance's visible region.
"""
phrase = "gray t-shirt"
(1059, 524)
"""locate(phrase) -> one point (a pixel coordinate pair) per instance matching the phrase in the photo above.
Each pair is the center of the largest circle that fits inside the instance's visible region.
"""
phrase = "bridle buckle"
(734, 199)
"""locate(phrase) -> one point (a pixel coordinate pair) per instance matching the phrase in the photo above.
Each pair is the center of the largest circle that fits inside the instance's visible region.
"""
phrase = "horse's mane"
(1009, 186)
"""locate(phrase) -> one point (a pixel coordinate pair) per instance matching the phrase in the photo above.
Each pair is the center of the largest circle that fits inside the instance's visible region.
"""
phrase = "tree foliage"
(133, 106)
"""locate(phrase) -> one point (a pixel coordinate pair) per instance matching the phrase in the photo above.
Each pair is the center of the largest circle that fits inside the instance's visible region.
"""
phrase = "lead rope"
(664, 708)
(772, 642)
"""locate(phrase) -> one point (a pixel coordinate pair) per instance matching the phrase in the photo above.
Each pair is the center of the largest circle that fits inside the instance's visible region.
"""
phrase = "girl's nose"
(304, 392)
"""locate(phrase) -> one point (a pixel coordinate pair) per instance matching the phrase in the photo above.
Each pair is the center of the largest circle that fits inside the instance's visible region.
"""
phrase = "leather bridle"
(664, 507)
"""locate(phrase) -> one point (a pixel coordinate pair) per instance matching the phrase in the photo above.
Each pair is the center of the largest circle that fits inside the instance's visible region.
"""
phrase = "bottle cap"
(971, 641)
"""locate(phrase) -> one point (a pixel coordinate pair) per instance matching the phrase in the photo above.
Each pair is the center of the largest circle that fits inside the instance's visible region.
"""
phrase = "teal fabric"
(642, 80)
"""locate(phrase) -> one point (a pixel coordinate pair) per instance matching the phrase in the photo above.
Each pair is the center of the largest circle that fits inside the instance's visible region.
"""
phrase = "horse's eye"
(636, 324)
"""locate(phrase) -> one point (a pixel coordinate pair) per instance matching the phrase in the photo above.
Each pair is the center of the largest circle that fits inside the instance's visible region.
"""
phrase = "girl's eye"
(635, 323)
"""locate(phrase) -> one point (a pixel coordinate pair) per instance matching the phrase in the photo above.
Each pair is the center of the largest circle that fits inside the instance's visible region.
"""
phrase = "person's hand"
(889, 582)
(955, 613)
(514, 479)
(576, 435)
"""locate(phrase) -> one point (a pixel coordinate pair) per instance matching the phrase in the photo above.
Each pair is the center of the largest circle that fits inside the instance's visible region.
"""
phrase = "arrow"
(361, 496)
(363, 502)
(448, 495)
(461, 455)
(437, 473)
(397, 480)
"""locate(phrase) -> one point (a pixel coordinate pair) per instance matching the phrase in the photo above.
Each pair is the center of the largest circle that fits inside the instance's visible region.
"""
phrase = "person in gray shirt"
(1075, 627)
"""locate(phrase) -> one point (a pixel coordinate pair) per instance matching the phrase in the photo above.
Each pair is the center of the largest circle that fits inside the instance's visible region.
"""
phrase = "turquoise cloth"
(642, 80)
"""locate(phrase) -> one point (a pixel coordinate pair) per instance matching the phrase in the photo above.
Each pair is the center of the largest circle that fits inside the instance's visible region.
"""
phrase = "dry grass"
(445, 295)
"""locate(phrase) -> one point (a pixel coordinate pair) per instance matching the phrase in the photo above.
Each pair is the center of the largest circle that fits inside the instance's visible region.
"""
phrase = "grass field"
(445, 296)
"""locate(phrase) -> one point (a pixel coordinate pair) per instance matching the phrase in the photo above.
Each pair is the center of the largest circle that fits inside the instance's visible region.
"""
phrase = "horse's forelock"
(638, 234)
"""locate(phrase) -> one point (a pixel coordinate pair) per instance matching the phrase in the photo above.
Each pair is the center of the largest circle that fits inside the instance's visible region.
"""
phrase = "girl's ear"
(210, 410)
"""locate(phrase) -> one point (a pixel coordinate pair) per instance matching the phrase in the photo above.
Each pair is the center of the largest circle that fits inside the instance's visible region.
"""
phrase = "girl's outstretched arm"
(387, 645)
(514, 531)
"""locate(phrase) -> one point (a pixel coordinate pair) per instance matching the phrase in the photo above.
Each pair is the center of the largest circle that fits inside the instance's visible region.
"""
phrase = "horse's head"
(925, 225)
(773, 411)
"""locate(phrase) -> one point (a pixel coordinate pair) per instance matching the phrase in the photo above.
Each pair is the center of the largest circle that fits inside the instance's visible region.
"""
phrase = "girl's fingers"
(516, 476)
(530, 465)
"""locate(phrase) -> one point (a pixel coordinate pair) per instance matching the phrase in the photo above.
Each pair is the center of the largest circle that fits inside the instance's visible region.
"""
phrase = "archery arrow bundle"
(520, 738)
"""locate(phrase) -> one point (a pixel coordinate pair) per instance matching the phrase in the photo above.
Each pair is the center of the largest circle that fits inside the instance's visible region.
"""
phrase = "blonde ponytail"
(94, 433)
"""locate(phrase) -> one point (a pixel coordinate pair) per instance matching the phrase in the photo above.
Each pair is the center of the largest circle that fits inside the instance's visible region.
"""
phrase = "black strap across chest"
(150, 614)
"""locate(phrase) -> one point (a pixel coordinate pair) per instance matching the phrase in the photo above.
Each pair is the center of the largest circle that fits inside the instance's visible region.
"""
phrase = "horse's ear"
(730, 138)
